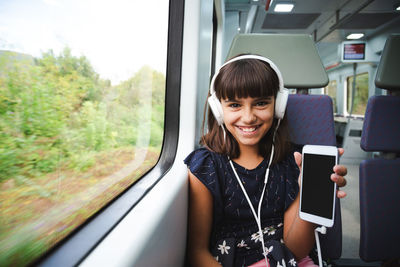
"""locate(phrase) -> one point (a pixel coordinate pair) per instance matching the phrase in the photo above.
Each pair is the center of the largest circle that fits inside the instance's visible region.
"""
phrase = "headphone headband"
(267, 60)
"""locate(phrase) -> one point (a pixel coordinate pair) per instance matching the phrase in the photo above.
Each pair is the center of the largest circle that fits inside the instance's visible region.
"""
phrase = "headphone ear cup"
(216, 109)
(281, 102)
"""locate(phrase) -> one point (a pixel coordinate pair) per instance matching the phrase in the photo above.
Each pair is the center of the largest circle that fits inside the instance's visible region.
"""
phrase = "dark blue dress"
(234, 239)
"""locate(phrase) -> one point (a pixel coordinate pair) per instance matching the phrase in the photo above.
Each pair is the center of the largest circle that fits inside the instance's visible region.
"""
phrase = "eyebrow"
(263, 98)
(255, 99)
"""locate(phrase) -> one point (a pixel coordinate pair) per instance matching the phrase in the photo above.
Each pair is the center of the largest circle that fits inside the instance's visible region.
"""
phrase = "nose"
(248, 115)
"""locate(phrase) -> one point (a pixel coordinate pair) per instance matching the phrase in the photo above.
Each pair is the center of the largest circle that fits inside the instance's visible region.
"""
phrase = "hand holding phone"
(318, 191)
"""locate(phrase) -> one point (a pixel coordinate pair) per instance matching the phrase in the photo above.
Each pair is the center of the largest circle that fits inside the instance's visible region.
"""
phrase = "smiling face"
(248, 119)
(247, 89)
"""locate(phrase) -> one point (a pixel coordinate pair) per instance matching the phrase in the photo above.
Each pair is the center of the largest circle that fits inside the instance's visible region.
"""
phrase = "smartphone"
(317, 190)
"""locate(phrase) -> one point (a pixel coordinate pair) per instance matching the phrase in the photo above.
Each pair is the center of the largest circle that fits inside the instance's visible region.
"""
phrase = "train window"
(331, 90)
(82, 86)
(359, 104)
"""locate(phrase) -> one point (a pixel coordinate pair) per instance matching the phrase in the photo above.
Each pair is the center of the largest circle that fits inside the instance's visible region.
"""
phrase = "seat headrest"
(295, 55)
(387, 75)
(381, 129)
(310, 120)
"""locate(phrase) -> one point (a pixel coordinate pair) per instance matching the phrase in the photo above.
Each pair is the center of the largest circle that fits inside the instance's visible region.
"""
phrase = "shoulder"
(197, 153)
(202, 157)
(206, 166)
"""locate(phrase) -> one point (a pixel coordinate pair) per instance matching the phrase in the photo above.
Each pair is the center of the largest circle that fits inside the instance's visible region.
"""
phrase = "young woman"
(244, 187)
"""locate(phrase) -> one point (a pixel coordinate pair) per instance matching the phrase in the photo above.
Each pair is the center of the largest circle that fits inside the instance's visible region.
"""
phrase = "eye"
(234, 105)
(261, 103)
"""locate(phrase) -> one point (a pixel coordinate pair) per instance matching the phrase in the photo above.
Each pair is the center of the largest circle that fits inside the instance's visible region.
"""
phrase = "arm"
(200, 223)
(298, 234)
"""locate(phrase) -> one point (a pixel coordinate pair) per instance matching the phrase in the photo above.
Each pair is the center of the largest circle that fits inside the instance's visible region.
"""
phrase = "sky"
(117, 36)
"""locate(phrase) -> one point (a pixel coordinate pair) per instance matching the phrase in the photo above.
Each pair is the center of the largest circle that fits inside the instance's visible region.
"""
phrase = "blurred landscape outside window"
(331, 90)
(82, 87)
(360, 94)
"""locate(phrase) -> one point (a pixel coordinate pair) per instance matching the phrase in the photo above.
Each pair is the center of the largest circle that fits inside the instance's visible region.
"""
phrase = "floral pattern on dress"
(242, 244)
(224, 248)
(275, 250)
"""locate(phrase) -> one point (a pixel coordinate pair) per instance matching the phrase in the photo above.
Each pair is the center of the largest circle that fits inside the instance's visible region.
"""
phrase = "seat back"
(310, 117)
(380, 177)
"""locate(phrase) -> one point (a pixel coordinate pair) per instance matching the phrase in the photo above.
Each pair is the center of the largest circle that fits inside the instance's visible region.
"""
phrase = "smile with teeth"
(248, 129)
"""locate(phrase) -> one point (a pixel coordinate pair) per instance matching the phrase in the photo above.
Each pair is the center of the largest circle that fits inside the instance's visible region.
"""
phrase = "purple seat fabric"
(380, 181)
(379, 209)
(381, 130)
(380, 178)
(310, 119)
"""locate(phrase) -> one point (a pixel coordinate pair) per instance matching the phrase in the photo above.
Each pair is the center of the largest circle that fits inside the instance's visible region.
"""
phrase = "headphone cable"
(257, 216)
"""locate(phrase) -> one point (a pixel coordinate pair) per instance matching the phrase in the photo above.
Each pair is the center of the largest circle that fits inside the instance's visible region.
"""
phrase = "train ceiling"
(325, 20)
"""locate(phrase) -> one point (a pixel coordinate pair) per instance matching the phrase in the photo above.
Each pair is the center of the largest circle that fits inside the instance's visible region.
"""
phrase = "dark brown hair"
(241, 79)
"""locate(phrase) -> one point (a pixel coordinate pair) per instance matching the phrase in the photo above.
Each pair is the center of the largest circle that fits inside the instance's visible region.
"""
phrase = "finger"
(297, 158)
(341, 151)
(340, 170)
(339, 180)
(340, 194)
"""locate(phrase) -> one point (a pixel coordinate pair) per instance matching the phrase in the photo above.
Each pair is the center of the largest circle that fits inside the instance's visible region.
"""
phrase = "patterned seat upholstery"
(310, 119)
(380, 177)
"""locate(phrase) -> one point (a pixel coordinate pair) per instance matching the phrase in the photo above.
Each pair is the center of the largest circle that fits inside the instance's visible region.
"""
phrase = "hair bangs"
(246, 78)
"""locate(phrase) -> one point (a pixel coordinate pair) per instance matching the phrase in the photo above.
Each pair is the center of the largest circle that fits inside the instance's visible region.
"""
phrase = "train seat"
(310, 117)
(317, 128)
(380, 176)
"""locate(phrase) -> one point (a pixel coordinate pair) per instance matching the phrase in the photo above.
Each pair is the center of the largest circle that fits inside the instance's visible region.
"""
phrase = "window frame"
(87, 236)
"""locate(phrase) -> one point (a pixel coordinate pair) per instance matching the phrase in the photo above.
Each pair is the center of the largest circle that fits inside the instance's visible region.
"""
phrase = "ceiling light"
(397, 8)
(355, 36)
(283, 7)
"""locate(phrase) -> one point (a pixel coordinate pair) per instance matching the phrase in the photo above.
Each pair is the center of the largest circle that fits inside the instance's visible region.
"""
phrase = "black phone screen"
(317, 187)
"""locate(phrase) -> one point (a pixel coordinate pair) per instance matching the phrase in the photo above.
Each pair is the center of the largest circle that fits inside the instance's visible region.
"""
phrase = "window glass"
(82, 86)
(360, 94)
(331, 90)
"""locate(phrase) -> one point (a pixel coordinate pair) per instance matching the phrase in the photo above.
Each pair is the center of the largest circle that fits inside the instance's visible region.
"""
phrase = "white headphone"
(281, 97)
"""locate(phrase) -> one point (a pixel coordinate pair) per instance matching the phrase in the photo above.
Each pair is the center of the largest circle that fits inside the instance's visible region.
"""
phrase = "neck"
(249, 157)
